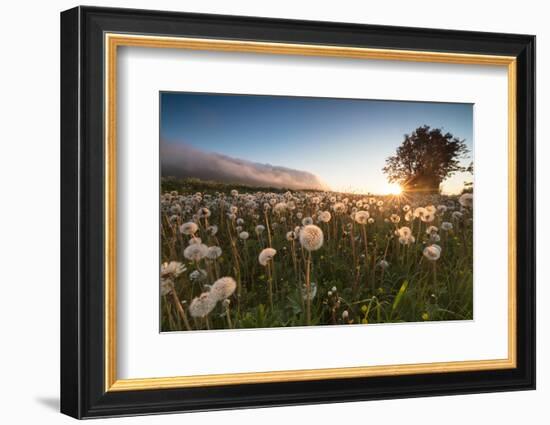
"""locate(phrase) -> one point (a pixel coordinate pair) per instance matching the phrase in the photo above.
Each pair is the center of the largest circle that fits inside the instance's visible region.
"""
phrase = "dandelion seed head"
(266, 255)
(166, 286)
(189, 228)
(383, 264)
(172, 269)
(446, 226)
(362, 217)
(290, 236)
(324, 216)
(307, 221)
(312, 291)
(223, 288)
(202, 305)
(311, 237)
(195, 252)
(432, 252)
(213, 252)
(431, 229)
(466, 200)
(394, 218)
(204, 212)
(198, 275)
(244, 235)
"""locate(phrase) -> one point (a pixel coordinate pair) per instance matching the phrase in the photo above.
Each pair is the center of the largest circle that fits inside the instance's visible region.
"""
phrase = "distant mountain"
(182, 161)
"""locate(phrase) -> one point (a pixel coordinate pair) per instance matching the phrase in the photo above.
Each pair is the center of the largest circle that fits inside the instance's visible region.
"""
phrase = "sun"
(393, 189)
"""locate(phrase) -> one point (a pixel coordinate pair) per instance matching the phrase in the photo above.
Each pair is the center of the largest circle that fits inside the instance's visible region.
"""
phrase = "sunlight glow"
(392, 189)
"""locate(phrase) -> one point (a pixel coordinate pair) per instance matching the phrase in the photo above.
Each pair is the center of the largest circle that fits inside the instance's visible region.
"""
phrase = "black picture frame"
(82, 212)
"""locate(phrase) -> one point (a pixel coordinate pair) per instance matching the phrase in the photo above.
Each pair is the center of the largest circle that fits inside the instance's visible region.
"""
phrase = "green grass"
(411, 289)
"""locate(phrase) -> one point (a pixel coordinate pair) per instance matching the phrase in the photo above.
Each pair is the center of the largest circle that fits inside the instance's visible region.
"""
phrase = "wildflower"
(312, 291)
(244, 235)
(204, 212)
(198, 274)
(404, 232)
(431, 229)
(446, 226)
(307, 221)
(195, 252)
(370, 220)
(189, 228)
(345, 315)
(212, 230)
(419, 212)
(432, 252)
(202, 305)
(259, 229)
(290, 236)
(441, 209)
(166, 286)
(233, 209)
(339, 207)
(406, 208)
(430, 209)
(383, 264)
(394, 218)
(362, 217)
(325, 216)
(194, 241)
(234, 193)
(406, 241)
(266, 255)
(213, 252)
(223, 288)
(311, 237)
(457, 215)
(280, 208)
(428, 217)
(466, 200)
(172, 269)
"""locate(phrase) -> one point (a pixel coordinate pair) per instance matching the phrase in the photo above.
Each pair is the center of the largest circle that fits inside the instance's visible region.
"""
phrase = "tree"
(425, 158)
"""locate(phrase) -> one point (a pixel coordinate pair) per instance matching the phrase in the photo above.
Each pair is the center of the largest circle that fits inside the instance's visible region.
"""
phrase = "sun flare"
(393, 189)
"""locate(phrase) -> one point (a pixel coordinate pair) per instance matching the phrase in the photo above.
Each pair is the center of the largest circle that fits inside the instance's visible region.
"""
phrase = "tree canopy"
(426, 157)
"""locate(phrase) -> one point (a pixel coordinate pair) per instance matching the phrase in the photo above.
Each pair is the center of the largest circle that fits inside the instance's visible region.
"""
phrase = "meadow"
(236, 257)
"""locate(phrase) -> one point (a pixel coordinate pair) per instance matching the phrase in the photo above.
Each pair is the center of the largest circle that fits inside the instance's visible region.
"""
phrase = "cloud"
(180, 160)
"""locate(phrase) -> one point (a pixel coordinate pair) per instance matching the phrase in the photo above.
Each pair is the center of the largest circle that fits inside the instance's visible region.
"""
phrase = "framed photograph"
(261, 212)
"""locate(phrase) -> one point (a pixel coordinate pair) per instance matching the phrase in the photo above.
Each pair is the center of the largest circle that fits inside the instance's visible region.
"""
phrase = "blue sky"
(343, 141)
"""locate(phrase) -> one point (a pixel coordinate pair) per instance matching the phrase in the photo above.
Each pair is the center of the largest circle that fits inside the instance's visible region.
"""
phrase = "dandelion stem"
(308, 289)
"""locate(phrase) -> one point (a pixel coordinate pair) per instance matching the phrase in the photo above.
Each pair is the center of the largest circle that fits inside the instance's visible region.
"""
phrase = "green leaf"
(399, 295)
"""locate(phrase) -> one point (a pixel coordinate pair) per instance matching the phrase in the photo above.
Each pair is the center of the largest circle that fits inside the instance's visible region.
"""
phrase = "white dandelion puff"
(213, 252)
(202, 305)
(432, 252)
(223, 288)
(466, 200)
(311, 237)
(195, 252)
(446, 226)
(189, 228)
(362, 217)
(172, 269)
(266, 255)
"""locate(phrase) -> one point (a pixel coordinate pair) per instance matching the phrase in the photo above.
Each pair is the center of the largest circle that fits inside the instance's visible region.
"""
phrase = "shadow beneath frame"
(49, 402)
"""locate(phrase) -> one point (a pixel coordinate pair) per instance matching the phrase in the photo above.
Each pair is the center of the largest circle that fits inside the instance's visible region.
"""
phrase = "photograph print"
(281, 211)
